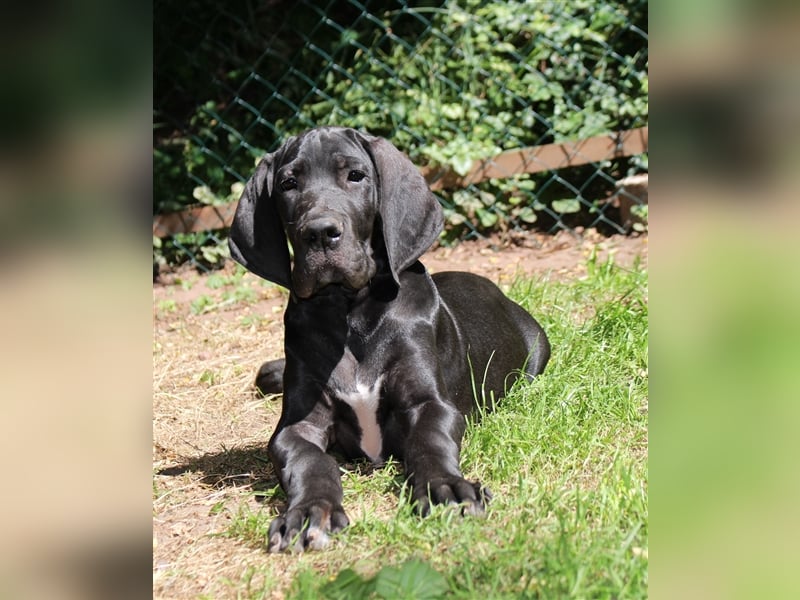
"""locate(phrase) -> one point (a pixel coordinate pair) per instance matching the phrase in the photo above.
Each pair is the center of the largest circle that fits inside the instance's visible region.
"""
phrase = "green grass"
(566, 460)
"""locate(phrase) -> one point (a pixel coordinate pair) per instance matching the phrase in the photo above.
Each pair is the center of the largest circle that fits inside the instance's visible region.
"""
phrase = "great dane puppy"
(381, 358)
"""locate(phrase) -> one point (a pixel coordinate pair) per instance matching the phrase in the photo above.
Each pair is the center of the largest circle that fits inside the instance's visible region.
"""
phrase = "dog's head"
(351, 205)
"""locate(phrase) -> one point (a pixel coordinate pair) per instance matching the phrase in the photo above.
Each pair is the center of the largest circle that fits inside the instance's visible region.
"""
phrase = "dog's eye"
(355, 175)
(290, 183)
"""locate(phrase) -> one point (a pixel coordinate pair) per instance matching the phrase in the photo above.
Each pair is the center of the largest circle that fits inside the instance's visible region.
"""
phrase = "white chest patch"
(364, 402)
(363, 399)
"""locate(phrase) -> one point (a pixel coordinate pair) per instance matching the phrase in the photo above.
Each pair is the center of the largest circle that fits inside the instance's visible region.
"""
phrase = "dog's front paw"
(472, 496)
(306, 526)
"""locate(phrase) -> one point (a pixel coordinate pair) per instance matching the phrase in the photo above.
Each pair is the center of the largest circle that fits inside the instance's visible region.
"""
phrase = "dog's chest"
(352, 384)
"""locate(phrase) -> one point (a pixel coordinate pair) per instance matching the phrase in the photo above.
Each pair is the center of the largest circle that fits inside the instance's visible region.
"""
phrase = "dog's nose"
(322, 233)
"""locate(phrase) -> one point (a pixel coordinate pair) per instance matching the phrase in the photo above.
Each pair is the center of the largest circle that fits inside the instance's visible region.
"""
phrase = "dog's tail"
(539, 353)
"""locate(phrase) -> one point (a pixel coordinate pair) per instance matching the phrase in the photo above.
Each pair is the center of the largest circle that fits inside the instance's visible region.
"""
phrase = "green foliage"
(202, 304)
(640, 212)
(167, 305)
(491, 77)
(412, 580)
(206, 249)
(448, 83)
(208, 377)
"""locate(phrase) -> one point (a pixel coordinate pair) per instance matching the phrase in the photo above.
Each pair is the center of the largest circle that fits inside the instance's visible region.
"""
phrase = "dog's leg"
(432, 461)
(312, 483)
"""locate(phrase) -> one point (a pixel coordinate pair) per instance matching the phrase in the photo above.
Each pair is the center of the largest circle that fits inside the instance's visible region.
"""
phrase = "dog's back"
(503, 340)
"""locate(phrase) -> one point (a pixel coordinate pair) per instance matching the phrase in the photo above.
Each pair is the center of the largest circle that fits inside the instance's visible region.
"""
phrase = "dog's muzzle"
(327, 251)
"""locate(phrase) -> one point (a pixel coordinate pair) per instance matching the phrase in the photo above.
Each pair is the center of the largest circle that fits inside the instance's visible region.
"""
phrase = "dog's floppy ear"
(412, 217)
(257, 239)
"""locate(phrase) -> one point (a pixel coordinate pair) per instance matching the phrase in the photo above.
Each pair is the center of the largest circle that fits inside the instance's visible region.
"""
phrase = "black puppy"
(382, 359)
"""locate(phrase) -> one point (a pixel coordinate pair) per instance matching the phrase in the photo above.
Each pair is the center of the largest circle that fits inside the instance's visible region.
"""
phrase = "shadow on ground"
(250, 466)
(232, 467)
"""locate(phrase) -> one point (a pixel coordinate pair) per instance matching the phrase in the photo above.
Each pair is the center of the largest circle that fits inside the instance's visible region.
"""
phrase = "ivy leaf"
(412, 580)
(461, 163)
(527, 214)
(486, 218)
(348, 585)
(566, 206)
(203, 194)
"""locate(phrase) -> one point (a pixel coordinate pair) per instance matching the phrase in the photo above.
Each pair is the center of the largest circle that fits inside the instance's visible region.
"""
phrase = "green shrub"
(447, 82)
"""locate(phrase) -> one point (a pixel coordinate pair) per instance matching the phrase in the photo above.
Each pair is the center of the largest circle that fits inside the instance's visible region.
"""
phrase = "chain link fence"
(521, 114)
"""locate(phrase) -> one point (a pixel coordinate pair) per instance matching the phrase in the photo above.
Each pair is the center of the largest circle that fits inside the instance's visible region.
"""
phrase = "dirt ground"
(209, 427)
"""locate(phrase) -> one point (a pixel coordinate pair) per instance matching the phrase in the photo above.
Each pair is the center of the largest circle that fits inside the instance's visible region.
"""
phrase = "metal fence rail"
(459, 85)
